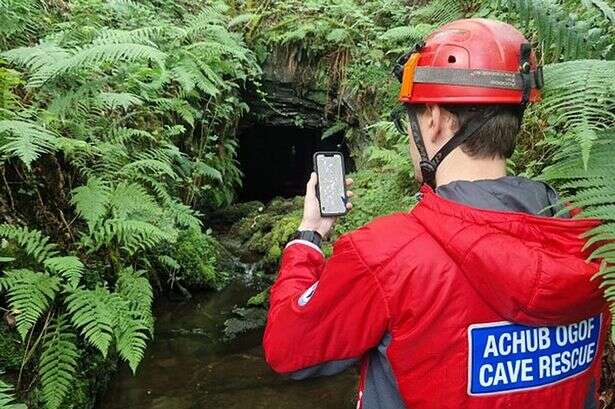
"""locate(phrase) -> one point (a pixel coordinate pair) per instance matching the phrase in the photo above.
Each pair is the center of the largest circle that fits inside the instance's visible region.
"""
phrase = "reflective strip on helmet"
(472, 78)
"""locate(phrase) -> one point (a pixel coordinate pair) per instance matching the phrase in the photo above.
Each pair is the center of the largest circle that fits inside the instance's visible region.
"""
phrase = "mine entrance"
(277, 161)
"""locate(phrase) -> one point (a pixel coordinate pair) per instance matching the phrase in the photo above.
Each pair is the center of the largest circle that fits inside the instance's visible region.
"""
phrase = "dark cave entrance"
(277, 160)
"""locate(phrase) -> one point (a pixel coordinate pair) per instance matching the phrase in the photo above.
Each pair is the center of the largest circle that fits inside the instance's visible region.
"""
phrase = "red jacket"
(486, 309)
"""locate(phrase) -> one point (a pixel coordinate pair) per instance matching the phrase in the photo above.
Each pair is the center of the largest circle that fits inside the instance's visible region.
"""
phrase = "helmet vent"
(452, 59)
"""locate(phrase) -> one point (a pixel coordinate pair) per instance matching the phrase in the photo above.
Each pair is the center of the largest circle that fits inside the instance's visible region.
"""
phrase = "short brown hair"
(497, 138)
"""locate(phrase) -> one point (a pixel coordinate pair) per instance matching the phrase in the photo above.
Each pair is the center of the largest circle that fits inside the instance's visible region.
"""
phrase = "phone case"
(343, 179)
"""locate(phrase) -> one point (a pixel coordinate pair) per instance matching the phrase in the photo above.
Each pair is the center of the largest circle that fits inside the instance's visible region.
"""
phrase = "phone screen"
(331, 191)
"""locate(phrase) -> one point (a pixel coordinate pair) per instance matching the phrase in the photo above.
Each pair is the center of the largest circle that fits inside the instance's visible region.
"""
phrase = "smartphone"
(331, 186)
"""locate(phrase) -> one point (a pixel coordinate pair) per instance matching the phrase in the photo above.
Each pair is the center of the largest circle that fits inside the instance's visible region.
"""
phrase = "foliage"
(561, 33)
(58, 363)
(53, 288)
(117, 121)
(580, 100)
(7, 400)
(589, 185)
(11, 348)
(198, 260)
(117, 135)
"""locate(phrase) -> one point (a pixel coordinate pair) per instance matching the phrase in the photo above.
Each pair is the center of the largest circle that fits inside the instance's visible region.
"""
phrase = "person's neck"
(459, 166)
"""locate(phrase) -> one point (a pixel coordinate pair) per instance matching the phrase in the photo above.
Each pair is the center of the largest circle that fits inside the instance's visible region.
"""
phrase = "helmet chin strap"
(428, 166)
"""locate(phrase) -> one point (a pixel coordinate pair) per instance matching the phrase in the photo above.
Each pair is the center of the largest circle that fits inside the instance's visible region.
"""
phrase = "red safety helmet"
(471, 61)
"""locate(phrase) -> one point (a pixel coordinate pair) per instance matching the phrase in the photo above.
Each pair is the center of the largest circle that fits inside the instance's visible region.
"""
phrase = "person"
(481, 295)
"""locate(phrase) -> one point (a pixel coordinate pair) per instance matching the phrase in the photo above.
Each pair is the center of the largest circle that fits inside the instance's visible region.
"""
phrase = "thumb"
(310, 190)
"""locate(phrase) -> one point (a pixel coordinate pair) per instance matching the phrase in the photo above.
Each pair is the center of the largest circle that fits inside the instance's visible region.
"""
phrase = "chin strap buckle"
(524, 70)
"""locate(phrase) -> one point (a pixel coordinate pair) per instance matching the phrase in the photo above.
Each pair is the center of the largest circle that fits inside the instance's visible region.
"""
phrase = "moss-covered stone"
(11, 348)
(263, 233)
(221, 219)
(199, 257)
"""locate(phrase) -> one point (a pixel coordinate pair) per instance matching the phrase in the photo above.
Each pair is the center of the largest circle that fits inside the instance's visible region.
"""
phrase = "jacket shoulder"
(381, 239)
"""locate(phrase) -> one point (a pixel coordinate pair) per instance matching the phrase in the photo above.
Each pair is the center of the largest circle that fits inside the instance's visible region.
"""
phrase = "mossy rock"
(263, 233)
(220, 219)
(11, 348)
(199, 256)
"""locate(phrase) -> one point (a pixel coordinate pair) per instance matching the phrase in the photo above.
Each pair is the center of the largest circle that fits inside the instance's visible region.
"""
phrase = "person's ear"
(434, 121)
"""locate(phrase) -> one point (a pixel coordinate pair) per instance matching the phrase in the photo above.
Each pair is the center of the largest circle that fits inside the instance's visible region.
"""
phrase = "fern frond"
(7, 397)
(439, 11)
(134, 287)
(94, 313)
(132, 339)
(117, 100)
(589, 185)
(58, 363)
(37, 57)
(580, 98)
(151, 167)
(561, 35)
(70, 268)
(169, 262)
(202, 168)
(242, 19)
(33, 242)
(91, 201)
(28, 141)
(179, 106)
(407, 34)
(29, 295)
(94, 56)
(130, 200)
(142, 35)
(135, 319)
(137, 235)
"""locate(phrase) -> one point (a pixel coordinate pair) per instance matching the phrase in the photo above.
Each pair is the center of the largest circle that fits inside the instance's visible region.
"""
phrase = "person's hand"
(312, 220)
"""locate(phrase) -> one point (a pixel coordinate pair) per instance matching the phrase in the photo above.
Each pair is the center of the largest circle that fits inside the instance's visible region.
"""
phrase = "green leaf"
(28, 141)
(91, 201)
(30, 295)
(58, 363)
(69, 267)
(94, 313)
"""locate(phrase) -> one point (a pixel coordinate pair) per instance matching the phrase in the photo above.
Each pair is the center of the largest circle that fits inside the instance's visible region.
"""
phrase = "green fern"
(92, 57)
(91, 201)
(579, 97)
(33, 242)
(7, 398)
(560, 34)
(118, 100)
(94, 313)
(135, 321)
(407, 34)
(604, 8)
(58, 363)
(70, 268)
(30, 294)
(589, 185)
(28, 141)
(439, 11)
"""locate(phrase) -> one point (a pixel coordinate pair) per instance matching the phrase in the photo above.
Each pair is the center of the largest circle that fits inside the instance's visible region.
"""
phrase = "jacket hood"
(530, 269)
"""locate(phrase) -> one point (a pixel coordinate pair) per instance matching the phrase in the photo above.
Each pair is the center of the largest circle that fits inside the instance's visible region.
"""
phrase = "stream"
(189, 365)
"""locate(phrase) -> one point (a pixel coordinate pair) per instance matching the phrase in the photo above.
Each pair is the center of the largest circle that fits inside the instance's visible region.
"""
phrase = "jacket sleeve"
(322, 310)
